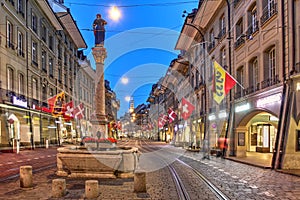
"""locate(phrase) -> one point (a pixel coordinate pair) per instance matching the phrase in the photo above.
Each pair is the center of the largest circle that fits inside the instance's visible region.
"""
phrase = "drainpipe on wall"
(27, 67)
(231, 113)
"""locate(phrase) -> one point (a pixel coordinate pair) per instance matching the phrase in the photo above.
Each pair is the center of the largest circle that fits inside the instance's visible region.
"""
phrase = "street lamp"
(206, 142)
(230, 72)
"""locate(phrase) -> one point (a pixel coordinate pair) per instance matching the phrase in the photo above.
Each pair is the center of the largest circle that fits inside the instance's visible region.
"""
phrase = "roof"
(206, 12)
(71, 27)
(195, 22)
(187, 34)
(50, 14)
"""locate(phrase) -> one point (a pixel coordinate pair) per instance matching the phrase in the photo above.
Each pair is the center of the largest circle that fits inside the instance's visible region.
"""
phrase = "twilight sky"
(140, 45)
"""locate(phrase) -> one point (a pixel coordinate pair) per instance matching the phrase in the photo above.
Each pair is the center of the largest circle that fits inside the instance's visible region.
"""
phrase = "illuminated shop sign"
(211, 117)
(19, 102)
(222, 114)
(276, 98)
(242, 108)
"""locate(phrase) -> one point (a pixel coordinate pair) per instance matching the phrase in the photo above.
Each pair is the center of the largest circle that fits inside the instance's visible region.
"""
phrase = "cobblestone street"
(238, 180)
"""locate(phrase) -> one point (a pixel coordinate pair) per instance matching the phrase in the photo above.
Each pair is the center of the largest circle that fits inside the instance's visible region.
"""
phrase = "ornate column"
(99, 121)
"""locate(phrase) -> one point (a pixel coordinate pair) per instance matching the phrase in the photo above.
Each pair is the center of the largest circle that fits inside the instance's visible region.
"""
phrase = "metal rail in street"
(180, 187)
(219, 194)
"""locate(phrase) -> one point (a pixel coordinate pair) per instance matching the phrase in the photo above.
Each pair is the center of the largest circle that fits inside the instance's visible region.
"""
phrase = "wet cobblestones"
(240, 181)
(236, 180)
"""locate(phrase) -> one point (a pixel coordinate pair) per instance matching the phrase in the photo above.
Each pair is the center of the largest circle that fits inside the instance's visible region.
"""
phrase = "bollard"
(26, 176)
(47, 144)
(58, 187)
(91, 189)
(18, 146)
(140, 181)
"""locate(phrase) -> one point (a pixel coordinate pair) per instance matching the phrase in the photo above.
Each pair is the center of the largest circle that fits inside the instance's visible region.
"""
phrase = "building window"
(34, 22)
(34, 88)
(34, 53)
(51, 67)
(66, 79)
(65, 57)
(21, 44)
(270, 71)
(252, 20)
(269, 9)
(222, 25)
(192, 80)
(21, 7)
(59, 74)
(239, 30)
(223, 57)
(44, 93)
(70, 64)
(211, 40)
(240, 79)
(50, 42)
(59, 51)
(272, 63)
(43, 32)
(253, 76)
(10, 79)
(21, 84)
(44, 61)
(197, 78)
(9, 35)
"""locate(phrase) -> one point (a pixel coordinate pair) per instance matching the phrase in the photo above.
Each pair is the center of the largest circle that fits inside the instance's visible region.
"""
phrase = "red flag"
(187, 108)
(58, 105)
(68, 110)
(51, 102)
(162, 120)
(223, 82)
(119, 125)
(172, 115)
(79, 111)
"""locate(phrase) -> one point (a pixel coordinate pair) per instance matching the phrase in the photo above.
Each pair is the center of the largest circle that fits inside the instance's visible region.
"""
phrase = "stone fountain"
(115, 162)
(104, 161)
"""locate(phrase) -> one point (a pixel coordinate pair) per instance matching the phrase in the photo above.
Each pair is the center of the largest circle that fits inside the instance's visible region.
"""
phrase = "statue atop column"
(99, 30)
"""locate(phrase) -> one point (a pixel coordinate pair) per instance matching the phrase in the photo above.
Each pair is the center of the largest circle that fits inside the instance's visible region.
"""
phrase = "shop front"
(256, 123)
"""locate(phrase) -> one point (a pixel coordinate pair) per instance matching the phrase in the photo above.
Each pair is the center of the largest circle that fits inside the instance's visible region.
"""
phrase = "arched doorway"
(256, 132)
(262, 129)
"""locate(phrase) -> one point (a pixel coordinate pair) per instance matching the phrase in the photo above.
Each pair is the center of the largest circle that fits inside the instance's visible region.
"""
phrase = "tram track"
(187, 180)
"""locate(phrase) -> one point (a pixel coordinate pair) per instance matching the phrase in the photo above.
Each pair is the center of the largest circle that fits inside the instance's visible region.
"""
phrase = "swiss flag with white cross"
(79, 111)
(187, 108)
(172, 115)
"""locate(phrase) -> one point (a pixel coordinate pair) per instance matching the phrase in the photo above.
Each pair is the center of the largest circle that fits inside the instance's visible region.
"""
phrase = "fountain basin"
(117, 162)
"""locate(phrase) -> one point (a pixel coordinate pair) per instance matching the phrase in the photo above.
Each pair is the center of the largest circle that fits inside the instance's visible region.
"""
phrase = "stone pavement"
(262, 160)
(159, 186)
(159, 183)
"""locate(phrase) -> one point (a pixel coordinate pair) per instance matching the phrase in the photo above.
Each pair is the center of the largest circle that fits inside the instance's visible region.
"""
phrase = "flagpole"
(231, 76)
(234, 79)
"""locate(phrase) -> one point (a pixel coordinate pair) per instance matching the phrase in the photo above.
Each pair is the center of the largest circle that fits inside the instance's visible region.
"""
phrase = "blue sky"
(140, 46)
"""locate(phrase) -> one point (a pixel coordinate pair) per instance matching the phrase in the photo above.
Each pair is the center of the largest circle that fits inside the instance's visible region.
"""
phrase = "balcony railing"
(222, 33)
(239, 94)
(240, 40)
(211, 46)
(252, 28)
(268, 12)
(270, 81)
(252, 89)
